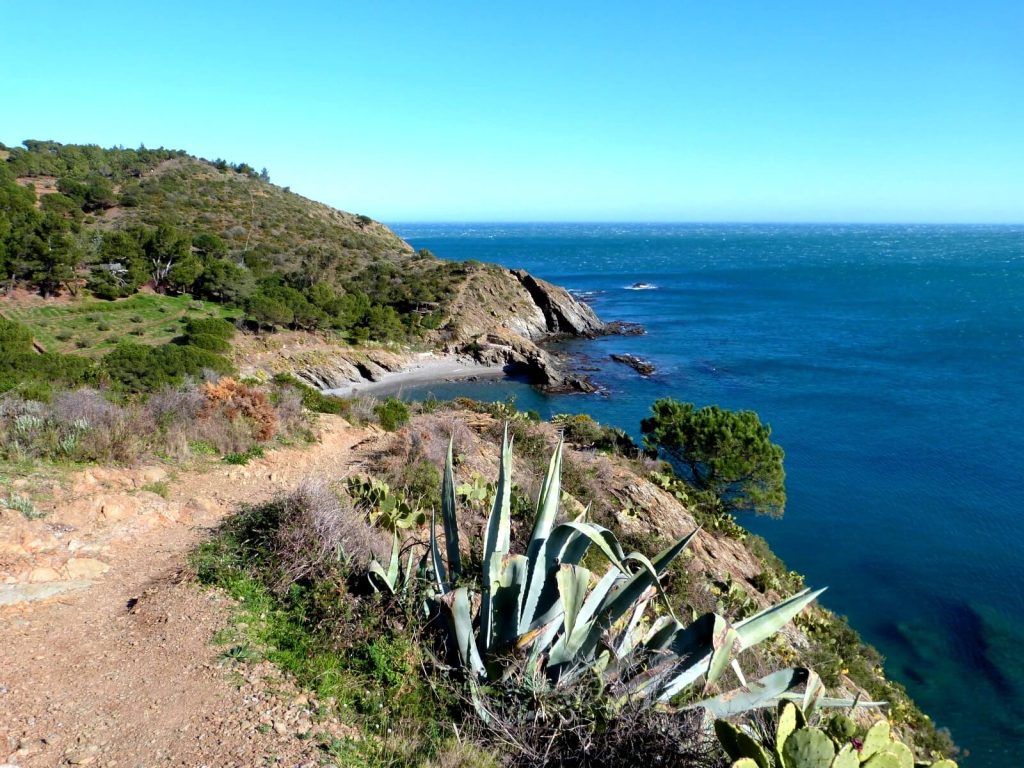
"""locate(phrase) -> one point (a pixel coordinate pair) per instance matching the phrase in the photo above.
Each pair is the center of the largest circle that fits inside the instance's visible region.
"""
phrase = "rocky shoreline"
(501, 324)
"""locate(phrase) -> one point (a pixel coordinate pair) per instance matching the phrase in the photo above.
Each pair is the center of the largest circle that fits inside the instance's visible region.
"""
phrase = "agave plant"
(544, 615)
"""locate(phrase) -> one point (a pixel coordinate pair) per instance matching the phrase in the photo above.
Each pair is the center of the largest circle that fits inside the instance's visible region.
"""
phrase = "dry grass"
(87, 425)
(318, 531)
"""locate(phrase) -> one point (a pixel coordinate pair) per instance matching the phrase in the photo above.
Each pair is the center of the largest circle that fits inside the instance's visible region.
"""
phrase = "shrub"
(241, 403)
(212, 326)
(393, 413)
(209, 342)
(313, 398)
(317, 531)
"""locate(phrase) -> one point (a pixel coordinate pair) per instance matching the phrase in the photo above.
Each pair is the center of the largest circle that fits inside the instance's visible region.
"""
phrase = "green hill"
(110, 222)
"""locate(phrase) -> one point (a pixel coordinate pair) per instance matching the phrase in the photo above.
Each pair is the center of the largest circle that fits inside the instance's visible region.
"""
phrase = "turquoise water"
(888, 360)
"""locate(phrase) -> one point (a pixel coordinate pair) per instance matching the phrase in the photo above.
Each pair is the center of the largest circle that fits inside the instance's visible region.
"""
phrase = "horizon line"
(706, 223)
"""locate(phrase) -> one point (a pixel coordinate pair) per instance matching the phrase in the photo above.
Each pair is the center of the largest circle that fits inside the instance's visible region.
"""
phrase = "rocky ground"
(107, 657)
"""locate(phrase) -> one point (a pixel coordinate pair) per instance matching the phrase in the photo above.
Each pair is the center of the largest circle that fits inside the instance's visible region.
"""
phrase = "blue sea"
(889, 361)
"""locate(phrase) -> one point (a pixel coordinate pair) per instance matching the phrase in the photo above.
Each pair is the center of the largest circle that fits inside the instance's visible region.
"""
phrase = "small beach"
(427, 368)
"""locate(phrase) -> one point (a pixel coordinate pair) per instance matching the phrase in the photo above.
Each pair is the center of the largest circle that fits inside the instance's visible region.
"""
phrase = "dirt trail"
(119, 669)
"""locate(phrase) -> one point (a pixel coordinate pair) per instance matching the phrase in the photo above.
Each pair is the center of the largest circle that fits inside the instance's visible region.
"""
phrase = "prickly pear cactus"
(876, 739)
(740, 745)
(808, 748)
(841, 728)
(902, 753)
(847, 757)
(882, 760)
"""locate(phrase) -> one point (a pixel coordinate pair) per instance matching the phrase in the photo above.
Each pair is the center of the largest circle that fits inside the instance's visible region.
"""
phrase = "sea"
(889, 362)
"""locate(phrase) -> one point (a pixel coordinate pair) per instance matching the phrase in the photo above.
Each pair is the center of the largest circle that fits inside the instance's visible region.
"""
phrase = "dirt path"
(119, 669)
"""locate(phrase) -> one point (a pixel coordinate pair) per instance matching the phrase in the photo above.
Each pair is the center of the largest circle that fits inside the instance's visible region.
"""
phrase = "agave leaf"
(766, 623)
(536, 551)
(496, 541)
(691, 648)
(508, 596)
(440, 575)
(549, 497)
(569, 642)
(566, 546)
(724, 641)
(377, 575)
(631, 589)
(408, 571)
(591, 533)
(761, 693)
(629, 638)
(830, 702)
(393, 565)
(537, 640)
(661, 633)
(448, 518)
(456, 605)
(573, 581)
(813, 691)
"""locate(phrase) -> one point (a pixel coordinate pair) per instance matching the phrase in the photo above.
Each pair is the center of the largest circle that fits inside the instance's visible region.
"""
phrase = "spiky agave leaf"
(761, 693)
(388, 578)
(448, 518)
(749, 633)
(496, 540)
(456, 606)
(628, 592)
(536, 551)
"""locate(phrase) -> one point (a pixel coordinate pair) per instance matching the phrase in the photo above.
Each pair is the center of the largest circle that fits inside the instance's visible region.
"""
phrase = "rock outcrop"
(641, 366)
(563, 313)
(503, 316)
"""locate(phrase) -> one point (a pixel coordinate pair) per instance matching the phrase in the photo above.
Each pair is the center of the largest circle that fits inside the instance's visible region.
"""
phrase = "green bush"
(212, 326)
(209, 342)
(393, 413)
(312, 398)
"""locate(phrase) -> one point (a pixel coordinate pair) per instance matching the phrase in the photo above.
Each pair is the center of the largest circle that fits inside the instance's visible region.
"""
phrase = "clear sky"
(877, 110)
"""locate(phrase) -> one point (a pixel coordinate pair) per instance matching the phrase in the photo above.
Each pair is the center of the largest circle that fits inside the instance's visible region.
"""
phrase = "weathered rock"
(152, 475)
(85, 568)
(641, 366)
(563, 313)
(14, 594)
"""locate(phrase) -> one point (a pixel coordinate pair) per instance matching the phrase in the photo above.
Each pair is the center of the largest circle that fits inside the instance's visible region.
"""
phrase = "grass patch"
(91, 326)
(256, 452)
(360, 653)
(160, 488)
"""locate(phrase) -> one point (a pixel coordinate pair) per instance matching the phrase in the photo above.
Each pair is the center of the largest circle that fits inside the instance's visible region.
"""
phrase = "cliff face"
(502, 316)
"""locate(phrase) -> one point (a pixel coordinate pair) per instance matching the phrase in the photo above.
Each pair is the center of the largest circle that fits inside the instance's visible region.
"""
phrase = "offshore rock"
(641, 366)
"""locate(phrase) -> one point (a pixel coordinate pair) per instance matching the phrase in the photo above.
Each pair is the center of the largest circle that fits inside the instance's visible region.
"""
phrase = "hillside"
(99, 580)
(80, 224)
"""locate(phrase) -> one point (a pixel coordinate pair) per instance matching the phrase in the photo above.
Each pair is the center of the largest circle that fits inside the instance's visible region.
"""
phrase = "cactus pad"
(809, 748)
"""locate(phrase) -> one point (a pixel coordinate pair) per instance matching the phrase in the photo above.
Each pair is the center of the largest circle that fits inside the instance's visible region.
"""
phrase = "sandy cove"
(425, 368)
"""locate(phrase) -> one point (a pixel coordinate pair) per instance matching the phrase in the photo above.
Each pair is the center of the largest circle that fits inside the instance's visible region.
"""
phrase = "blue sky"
(582, 111)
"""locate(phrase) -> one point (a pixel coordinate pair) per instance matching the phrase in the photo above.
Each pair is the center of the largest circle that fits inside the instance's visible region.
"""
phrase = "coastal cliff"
(502, 317)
